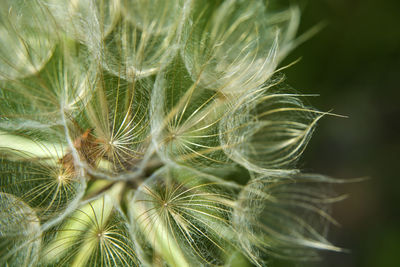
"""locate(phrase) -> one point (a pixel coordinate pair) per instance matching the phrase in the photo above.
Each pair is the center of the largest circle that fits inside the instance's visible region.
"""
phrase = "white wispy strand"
(152, 133)
(26, 38)
(285, 216)
(267, 130)
(234, 52)
(19, 228)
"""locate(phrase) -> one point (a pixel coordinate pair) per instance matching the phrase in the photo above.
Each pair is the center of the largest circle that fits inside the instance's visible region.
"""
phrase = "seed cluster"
(154, 133)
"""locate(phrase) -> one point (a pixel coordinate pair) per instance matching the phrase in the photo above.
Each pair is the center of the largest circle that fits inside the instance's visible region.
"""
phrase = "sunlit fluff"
(154, 133)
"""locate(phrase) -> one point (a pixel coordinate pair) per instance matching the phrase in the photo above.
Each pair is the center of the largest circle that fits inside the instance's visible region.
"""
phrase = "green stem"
(160, 236)
(31, 147)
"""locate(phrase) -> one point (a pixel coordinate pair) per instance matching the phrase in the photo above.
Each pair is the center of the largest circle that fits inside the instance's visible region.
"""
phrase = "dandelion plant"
(154, 133)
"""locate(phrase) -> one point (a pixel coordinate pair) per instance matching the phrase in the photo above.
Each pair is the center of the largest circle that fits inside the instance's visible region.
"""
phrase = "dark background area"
(354, 64)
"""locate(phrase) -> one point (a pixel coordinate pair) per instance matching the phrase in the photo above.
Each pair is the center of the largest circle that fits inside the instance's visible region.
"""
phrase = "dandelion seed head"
(147, 133)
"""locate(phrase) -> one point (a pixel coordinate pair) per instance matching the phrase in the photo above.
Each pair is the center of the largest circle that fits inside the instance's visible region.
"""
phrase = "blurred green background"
(354, 64)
